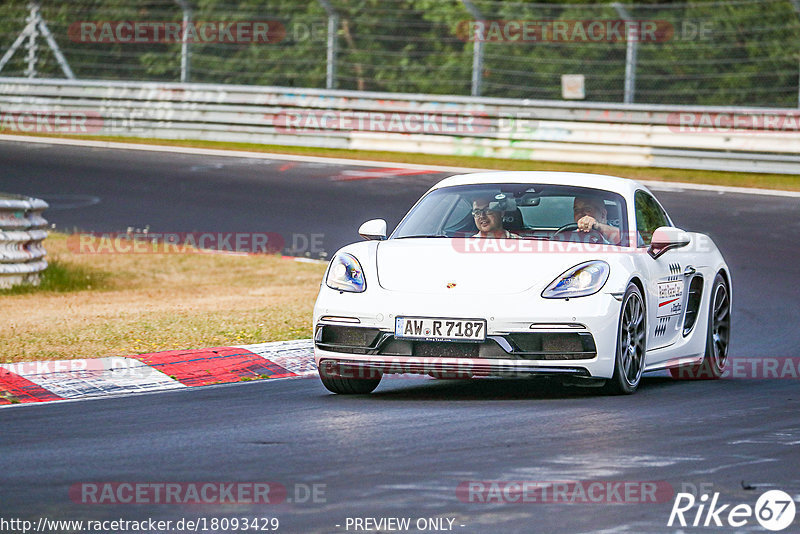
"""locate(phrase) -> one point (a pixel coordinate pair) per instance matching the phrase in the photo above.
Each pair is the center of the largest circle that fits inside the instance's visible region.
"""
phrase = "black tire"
(352, 383)
(631, 344)
(718, 337)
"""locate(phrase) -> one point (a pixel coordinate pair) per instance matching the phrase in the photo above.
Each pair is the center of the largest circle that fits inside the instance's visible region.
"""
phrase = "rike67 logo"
(774, 510)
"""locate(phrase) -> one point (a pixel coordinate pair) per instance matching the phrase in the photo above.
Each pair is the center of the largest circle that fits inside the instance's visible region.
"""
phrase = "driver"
(591, 214)
(489, 219)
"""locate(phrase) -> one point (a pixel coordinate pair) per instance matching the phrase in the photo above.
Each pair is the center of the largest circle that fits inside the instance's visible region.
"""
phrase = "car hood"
(470, 266)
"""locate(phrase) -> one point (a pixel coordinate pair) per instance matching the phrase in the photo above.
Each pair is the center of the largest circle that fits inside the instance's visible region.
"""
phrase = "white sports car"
(574, 275)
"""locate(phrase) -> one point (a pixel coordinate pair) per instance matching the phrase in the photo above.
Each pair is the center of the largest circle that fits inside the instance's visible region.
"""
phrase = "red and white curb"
(95, 377)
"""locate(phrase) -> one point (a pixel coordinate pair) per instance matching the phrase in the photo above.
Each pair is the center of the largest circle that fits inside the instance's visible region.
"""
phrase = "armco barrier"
(21, 235)
(721, 138)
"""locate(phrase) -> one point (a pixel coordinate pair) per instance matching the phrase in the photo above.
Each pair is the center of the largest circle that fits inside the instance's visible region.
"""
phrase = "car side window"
(460, 219)
(649, 216)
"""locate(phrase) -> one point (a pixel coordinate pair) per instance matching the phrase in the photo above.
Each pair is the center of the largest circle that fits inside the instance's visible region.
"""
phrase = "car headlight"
(580, 281)
(345, 274)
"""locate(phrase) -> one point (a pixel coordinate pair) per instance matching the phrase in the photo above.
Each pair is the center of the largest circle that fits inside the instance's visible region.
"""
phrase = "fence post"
(632, 38)
(187, 17)
(477, 47)
(35, 24)
(62, 61)
(333, 26)
(31, 46)
(796, 4)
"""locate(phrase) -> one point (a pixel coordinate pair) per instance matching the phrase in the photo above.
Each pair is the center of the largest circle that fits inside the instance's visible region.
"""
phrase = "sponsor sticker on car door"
(670, 298)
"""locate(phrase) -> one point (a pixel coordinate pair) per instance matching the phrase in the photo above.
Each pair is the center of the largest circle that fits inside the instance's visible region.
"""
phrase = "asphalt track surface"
(404, 450)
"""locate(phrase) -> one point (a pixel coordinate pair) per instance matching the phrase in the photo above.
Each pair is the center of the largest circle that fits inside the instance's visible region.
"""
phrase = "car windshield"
(528, 211)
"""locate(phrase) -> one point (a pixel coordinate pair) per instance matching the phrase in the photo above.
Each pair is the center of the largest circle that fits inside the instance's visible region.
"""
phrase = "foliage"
(726, 52)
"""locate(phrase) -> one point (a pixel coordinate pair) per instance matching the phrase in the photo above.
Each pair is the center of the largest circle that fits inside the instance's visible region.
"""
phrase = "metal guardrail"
(714, 138)
(21, 235)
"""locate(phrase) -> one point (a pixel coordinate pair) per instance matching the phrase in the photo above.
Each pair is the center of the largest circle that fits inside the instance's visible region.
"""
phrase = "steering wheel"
(592, 236)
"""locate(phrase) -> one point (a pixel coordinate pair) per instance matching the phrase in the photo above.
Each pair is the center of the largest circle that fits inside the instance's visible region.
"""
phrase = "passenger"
(591, 214)
(488, 215)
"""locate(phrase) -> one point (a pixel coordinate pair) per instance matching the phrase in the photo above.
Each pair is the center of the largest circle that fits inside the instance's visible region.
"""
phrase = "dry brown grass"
(153, 302)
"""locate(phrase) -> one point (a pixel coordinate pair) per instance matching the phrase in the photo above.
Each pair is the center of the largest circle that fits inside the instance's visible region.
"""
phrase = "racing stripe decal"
(661, 327)
(666, 302)
(675, 273)
(219, 365)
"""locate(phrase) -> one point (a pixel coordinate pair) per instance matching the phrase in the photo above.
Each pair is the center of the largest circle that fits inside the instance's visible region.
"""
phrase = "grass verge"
(94, 305)
(789, 182)
(63, 277)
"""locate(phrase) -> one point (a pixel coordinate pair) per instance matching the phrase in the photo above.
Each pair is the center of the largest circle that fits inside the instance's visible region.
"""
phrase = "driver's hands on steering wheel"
(586, 223)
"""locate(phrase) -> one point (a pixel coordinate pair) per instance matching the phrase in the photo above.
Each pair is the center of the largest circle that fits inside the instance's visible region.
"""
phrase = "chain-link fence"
(731, 52)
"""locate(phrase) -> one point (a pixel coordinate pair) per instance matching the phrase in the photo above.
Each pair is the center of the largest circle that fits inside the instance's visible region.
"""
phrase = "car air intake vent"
(693, 303)
(562, 343)
(431, 349)
(550, 342)
(553, 346)
(348, 335)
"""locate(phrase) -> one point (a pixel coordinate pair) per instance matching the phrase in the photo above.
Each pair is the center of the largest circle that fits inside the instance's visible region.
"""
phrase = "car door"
(666, 287)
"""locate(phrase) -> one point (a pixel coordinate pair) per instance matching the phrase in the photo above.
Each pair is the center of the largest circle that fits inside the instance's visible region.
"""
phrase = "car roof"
(624, 186)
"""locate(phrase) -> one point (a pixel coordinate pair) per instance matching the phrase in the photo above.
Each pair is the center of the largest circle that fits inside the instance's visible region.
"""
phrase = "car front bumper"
(526, 335)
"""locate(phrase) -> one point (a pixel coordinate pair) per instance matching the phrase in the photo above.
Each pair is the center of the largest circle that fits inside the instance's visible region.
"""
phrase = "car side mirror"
(666, 238)
(373, 229)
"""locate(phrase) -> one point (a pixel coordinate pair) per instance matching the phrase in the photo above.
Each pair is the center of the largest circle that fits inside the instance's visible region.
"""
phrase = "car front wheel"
(631, 340)
(346, 380)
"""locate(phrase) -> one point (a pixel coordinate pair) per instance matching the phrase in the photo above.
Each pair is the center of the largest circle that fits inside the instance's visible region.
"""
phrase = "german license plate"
(440, 329)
